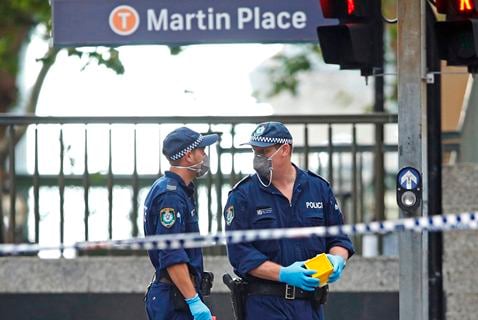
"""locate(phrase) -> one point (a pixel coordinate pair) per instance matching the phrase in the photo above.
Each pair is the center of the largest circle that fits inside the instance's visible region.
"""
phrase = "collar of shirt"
(188, 188)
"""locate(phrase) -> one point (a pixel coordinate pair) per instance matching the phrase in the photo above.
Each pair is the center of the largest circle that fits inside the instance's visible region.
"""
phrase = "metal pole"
(412, 139)
(435, 241)
(13, 188)
(379, 167)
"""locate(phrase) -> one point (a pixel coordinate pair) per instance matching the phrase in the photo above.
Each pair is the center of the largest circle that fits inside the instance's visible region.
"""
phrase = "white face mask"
(263, 167)
(201, 168)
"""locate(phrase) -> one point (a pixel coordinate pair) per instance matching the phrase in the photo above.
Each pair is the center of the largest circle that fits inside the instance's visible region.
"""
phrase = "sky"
(202, 80)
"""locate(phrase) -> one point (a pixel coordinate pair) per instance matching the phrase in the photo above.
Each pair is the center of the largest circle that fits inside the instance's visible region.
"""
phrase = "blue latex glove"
(298, 276)
(198, 309)
(339, 264)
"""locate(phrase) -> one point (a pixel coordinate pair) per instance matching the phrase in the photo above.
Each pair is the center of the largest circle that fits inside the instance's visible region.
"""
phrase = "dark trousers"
(159, 305)
(278, 308)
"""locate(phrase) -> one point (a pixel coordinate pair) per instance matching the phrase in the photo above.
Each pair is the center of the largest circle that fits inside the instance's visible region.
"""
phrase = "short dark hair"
(174, 162)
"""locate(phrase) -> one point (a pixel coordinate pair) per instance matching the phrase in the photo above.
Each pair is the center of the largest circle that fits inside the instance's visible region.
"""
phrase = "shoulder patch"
(171, 185)
(241, 181)
(317, 176)
(167, 217)
(166, 185)
(229, 215)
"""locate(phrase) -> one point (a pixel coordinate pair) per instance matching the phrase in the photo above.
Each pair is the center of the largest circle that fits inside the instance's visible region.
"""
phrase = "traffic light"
(457, 37)
(357, 41)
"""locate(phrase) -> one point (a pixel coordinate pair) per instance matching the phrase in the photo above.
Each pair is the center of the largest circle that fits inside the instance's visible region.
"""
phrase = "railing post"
(218, 185)
(160, 152)
(110, 186)
(12, 185)
(355, 217)
(379, 181)
(86, 186)
(232, 178)
(36, 190)
(61, 186)
(306, 146)
(209, 193)
(3, 236)
(134, 207)
(331, 155)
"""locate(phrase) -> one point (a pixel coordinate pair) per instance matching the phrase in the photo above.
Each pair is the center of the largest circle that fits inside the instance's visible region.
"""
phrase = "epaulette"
(171, 185)
(241, 181)
(318, 176)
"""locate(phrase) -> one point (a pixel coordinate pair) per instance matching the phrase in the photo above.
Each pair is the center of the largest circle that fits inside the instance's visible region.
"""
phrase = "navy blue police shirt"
(170, 208)
(252, 206)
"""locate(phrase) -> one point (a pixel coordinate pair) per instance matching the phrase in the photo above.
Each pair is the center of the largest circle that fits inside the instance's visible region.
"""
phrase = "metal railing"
(347, 164)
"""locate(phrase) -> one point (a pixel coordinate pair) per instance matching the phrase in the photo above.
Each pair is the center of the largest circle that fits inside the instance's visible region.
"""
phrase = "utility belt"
(240, 289)
(205, 286)
(288, 292)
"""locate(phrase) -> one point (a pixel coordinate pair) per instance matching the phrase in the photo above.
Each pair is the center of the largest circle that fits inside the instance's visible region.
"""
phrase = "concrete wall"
(106, 288)
(468, 146)
(460, 194)
(132, 274)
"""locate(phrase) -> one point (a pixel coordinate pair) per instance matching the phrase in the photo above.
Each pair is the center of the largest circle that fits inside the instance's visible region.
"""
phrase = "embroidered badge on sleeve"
(229, 215)
(167, 217)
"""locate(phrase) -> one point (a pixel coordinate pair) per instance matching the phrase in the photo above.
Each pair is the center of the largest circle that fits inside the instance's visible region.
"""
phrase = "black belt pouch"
(178, 300)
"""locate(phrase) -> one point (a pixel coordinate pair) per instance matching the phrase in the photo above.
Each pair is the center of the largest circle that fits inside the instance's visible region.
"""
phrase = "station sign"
(181, 22)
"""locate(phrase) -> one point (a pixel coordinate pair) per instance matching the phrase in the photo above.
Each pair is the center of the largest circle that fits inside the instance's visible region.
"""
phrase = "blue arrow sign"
(409, 178)
(177, 22)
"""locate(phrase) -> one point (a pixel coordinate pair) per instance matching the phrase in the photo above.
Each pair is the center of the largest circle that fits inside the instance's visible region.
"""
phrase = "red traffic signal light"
(466, 6)
(340, 9)
(357, 41)
(458, 43)
(348, 45)
(457, 7)
(457, 37)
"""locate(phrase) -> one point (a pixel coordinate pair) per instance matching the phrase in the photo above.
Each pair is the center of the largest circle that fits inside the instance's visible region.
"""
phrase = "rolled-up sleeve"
(335, 217)
(169, 211)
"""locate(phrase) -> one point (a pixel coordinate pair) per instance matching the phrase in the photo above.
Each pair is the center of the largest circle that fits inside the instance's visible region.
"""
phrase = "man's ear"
(287, 150)
(189, 157)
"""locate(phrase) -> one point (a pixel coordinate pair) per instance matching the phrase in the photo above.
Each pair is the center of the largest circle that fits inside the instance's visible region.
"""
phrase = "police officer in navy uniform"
(281, 195)
(170, 208)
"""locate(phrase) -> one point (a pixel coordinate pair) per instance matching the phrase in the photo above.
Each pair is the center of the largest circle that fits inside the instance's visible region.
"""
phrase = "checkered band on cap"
(192, 146)
(271, 140)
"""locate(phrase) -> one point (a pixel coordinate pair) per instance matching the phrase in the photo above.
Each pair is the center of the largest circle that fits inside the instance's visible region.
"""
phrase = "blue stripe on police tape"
(193, 240)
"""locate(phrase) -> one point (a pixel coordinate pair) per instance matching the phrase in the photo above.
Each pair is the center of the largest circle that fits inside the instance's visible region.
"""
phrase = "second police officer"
(169, 208)
(281, 195)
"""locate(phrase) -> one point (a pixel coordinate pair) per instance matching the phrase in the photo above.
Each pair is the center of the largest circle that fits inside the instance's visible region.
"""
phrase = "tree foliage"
(284, 74)
(17, 20)
(286, 68)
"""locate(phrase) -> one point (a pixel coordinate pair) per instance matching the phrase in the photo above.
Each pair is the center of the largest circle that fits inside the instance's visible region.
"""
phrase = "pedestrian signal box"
(409, 190)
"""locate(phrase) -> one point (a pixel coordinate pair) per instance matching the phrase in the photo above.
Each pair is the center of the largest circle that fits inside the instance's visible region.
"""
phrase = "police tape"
(468, 220)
